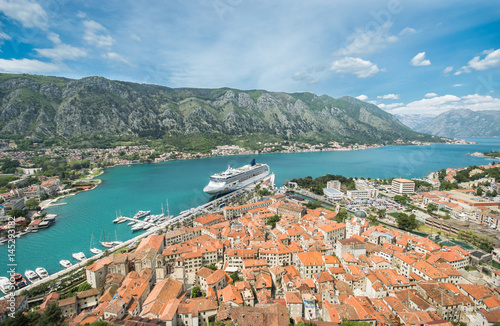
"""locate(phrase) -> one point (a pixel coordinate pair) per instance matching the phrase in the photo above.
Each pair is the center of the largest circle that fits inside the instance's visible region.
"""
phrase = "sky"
(408, 57)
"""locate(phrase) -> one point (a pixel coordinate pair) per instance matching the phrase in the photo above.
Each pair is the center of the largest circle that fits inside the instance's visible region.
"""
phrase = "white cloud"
(492, 60)
(305, 77)
(362, 97)
(359, 67)
(458, 85)
(135, 37)
(81, 14)
(29, 66)
(61, 51)
(389, 97)
(4, 36)
(447, 70)
(408, 30)
(115, 57)
(367, 42)
(430, 95)
(29, 13)
(439, 104)
(97, 35)
(419, 60)
(389, 106)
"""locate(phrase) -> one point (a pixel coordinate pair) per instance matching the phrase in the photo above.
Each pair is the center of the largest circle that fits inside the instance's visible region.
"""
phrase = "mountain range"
(43, 107)
(463, 123)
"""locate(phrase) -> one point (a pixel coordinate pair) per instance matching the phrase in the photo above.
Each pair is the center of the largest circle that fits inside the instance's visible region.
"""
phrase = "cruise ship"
(232, 179)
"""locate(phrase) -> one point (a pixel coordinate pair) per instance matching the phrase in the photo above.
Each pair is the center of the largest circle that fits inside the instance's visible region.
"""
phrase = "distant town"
(325, 251)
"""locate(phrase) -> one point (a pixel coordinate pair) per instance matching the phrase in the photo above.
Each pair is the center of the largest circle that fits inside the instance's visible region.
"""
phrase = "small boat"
(19, 281)
(104, 243)
(31, 276)
(42, 272)
(138, 226)
(79, 256)
(65, 263)
(94, 250)
(6, 285)
(141, 214)
(131, 223)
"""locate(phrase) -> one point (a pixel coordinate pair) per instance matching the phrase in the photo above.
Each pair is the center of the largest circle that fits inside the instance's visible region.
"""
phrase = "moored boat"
(31, 276)
(65, 263)
(19, 281)
(6, 285)
(79, 256)
(141, 214)
(42, 272)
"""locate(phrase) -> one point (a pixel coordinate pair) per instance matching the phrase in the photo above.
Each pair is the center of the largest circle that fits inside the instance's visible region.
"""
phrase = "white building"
(403, 186)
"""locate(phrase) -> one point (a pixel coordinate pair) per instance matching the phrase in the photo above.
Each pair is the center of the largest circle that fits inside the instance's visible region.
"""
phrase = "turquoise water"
(147, 187)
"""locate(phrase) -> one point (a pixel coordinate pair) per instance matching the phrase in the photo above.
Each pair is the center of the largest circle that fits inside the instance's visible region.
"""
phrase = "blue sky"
(408, 57)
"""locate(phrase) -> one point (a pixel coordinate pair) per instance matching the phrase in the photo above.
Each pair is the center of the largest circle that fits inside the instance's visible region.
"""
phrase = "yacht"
(93, 249)
(79, 256)
(65, 263)
(42, 272)
(6, 285)
(31, 276)
(232, 179)
(19, 281)
(141, 214)
(138, 226)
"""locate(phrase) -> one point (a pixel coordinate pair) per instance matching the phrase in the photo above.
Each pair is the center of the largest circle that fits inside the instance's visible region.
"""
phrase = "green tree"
(52, 316)
(44, 196)
(211, 266)
(407, 222)
(313, 204)
(431, 207)
(195, 292)
(31, 203)
(84, 287)
(16, 212)
(235, 277)
(381, 213)
(341, 215)
(273, 220)
(479, 191)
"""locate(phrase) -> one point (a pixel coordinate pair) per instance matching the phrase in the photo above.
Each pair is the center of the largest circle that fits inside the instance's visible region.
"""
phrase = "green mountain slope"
(97, 108)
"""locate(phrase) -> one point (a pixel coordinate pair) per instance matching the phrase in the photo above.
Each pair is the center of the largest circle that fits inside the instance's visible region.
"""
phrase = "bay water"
(128, 189)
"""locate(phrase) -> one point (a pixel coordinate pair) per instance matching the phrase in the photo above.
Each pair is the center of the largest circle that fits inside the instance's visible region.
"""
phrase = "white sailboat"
(93, 249)
(104, 243)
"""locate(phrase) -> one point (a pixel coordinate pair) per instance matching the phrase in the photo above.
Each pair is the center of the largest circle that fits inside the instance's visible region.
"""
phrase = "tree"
(211, 266)
(195, 292)
(381, 213)
(313, 204)
(342, 215)
(16, 212)
(273, 220)
(31, 203)
(479, 191)
(407, 221)
(44, 196)
(51, 316)
(403, 200)
(431, 207)
(84, 287)
(234, 276)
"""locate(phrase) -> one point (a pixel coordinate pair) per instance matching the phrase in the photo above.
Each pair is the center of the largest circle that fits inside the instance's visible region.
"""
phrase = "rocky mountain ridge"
(51, 107)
